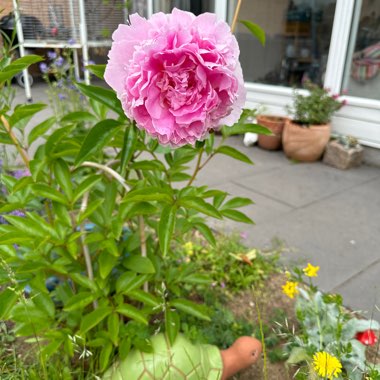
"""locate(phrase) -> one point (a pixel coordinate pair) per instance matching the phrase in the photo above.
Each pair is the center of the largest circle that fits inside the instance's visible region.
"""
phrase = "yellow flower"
(290, 289)
(326, 365)
(311, 270)
(189, 248)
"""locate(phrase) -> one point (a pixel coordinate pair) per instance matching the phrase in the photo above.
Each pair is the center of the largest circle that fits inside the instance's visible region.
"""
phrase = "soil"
(269, 300)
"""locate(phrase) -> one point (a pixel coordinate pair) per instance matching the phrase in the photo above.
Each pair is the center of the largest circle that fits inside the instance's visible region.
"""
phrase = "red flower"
(367, 337)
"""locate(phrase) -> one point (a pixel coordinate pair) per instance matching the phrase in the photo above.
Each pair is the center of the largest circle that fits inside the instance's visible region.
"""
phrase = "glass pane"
(298, 34)
(195, 6)
(362, 76)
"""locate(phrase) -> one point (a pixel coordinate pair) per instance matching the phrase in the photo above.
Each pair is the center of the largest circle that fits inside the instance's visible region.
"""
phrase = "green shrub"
(89, 228)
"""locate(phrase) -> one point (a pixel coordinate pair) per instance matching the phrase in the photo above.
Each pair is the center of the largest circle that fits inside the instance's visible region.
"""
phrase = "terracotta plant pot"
(276, 125)
(305, 143)
(244, 352)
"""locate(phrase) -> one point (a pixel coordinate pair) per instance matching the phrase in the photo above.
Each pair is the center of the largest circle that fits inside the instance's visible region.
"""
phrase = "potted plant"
(306, 135)
(343, 153)
(276, 125)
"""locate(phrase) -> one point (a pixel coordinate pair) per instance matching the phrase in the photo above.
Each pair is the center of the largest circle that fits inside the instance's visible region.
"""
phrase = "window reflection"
(195, 6)
(362, 76)
(298, 36)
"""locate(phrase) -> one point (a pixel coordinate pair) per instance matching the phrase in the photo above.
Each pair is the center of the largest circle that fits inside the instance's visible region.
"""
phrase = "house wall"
(6, 6)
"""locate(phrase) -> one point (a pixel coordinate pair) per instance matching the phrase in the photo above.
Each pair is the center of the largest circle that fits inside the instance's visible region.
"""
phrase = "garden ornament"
(186, 361)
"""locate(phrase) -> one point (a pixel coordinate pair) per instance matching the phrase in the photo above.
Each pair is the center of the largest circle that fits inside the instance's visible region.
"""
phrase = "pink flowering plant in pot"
(86, 268)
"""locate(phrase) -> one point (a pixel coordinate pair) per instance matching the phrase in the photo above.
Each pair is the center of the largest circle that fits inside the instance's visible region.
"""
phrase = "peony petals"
(177, 75)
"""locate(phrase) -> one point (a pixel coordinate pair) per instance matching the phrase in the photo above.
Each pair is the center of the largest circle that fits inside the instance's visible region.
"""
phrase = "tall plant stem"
(86, 251)
(265, 369)
(15, 141)
(143, 244)
(121, 180)
(197, 167)
(236, 15)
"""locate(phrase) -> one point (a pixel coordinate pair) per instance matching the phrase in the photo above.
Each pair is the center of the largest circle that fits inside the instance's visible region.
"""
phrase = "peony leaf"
(79, 301)
(234, 153)
(239, 129)
(200, 205)
(97, 70)
(237, 202)
(8, 298)
(172, 324)
(77, 117)
(92, 319)
(139, 264)
(237, 216)
(166, 227)
(206, 232)
(40, 129)
(148, 195)
(129, 145)
(17, 66)
(103, 96)
(146, 298)
(133, 313)
(189, 307)
(255, 29)
(98, 136)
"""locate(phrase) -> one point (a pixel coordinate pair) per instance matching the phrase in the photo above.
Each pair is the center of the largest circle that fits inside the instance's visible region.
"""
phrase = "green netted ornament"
(181, 361)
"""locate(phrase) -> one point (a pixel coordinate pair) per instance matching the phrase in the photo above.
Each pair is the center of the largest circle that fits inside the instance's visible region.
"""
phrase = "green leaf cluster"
(89, 231)
(316, 107)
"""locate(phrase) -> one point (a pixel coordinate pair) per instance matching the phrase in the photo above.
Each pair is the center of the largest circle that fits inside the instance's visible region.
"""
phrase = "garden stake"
(236, 14)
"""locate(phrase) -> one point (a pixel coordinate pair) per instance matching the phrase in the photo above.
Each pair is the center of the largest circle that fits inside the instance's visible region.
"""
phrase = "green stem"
(265, 368)
(319, 327)
(15, 141)
(166, 170)
(197, 167)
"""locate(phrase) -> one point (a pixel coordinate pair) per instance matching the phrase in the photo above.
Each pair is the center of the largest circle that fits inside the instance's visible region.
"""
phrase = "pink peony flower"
(177, 75)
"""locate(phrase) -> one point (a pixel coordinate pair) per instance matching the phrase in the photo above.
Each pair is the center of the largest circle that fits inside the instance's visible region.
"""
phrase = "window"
(195, 6)
(298, 34)
(362, 72)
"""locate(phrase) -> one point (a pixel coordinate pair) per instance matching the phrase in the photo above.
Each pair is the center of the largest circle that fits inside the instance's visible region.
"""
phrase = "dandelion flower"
(311, 270)
(326, 365)
(290, 288)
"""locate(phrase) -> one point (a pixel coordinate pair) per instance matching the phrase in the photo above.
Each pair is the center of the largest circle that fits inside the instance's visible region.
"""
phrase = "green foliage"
(317, 107)
(348, 142)
(324, 325)
(91, 228)
(255, 29)
(229, 265)
(222, 330)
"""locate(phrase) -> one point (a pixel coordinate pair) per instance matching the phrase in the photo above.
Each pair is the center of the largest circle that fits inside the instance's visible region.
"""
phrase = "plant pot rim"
(306, 125)
(273, 117)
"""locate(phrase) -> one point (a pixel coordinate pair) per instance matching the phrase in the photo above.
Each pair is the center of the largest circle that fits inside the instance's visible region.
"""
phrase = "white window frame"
(360, 117)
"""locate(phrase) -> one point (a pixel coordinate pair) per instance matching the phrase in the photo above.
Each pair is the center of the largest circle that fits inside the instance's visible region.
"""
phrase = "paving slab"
(363, 291)
(262, 210)
(301, 184)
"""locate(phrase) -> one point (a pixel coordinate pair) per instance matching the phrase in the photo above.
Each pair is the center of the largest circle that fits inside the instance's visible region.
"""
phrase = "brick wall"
(6, 6)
